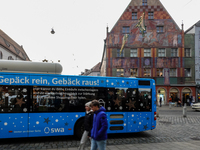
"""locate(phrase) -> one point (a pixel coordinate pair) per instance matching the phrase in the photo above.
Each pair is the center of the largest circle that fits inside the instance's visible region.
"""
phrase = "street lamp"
(52, 31)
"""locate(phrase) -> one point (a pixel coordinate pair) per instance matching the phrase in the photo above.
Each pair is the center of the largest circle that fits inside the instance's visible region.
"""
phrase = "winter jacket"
(100, 125)
(88, 122)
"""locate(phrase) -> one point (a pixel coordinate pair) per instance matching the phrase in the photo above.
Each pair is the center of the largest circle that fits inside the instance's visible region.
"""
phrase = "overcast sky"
(80, 27)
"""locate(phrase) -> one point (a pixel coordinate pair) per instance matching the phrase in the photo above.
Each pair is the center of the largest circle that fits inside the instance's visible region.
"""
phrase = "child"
(88, 126)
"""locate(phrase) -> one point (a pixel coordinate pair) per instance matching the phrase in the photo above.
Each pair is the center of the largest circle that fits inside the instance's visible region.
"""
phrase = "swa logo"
(48, 130)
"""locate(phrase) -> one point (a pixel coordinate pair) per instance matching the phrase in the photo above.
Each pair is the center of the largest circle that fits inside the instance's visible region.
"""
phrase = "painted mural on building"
(125, 63)
(166, 76)
(167, 62)
(147, 62)
(152, 37)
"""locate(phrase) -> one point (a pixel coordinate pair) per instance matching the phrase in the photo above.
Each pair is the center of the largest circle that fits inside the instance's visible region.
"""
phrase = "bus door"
(141, 119)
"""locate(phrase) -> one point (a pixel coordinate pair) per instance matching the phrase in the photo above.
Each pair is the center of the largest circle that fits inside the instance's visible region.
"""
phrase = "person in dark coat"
(88, 121)
(176, 101)
(100, 126)
(160, 101)
(179, 102)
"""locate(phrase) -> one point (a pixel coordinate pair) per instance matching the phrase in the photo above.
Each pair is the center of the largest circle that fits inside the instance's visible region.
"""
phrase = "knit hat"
(88, 104)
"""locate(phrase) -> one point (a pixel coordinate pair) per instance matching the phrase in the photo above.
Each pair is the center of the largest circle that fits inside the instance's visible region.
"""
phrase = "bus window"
(111, 97)
(145, 99)
(132, 100)
(62, 99)
(121, 99)
(49, 99)
(13, 99)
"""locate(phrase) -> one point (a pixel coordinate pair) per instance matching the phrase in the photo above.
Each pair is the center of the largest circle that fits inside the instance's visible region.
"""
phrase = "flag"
(125, 39)
(140, 24)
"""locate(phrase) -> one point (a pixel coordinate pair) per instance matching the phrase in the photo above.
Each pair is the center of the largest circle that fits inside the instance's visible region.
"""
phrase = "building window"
(160, 29)
(172, 72)
(147, 72)
(199, 34)
(147, 52)
(18, 51)
(174, 52)
(150, 15)
(125, 29)
(161, 52)
(187, 52)
(120, 54)
(187, 72)
(144, 2)
(120, 72)
(134, 15)
(134, 72)
(1, 55)
(160, 73)
(17, 99)
(133, 53)
(10, 58)
(7, 43)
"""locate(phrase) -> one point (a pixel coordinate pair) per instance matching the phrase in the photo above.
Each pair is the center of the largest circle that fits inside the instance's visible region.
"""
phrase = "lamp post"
(52, 31)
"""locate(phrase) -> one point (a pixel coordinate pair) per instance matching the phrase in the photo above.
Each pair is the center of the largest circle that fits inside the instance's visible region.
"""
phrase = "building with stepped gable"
(157, 52)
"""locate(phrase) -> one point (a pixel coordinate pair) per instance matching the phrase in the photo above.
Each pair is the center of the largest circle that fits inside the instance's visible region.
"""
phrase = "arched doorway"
(161, 93)
(173, 94)
(187, 92)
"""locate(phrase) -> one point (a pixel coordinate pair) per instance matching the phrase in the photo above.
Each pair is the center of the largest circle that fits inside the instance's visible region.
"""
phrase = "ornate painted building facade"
(158, 53)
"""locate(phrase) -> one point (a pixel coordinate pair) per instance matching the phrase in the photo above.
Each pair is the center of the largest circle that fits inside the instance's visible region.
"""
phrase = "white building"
(10, 50)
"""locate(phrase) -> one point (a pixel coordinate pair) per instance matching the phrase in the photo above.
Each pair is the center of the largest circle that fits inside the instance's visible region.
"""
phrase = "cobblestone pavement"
(173, 132)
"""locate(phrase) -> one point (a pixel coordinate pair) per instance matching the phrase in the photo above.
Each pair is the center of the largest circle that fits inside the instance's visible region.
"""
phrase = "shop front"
(174, 93)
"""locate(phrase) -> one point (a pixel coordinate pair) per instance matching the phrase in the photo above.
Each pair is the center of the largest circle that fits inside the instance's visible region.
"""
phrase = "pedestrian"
(176, 102)
(183, 100)
(100, 126)
(88, 121)
(179, 102)
(160, 101)
(190, 100)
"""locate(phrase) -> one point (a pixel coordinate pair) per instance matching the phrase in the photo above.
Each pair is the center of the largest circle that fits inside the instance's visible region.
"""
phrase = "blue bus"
(35, 105)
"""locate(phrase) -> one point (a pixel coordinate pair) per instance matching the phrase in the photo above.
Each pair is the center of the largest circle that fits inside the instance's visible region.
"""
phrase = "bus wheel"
(79, 128)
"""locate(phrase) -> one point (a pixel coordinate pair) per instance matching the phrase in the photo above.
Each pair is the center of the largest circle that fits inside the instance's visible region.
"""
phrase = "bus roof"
(17, 66)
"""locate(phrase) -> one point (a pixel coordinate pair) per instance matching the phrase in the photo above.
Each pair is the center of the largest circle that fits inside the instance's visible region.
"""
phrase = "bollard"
(157, 113)
(184, 110)
(170, 105)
